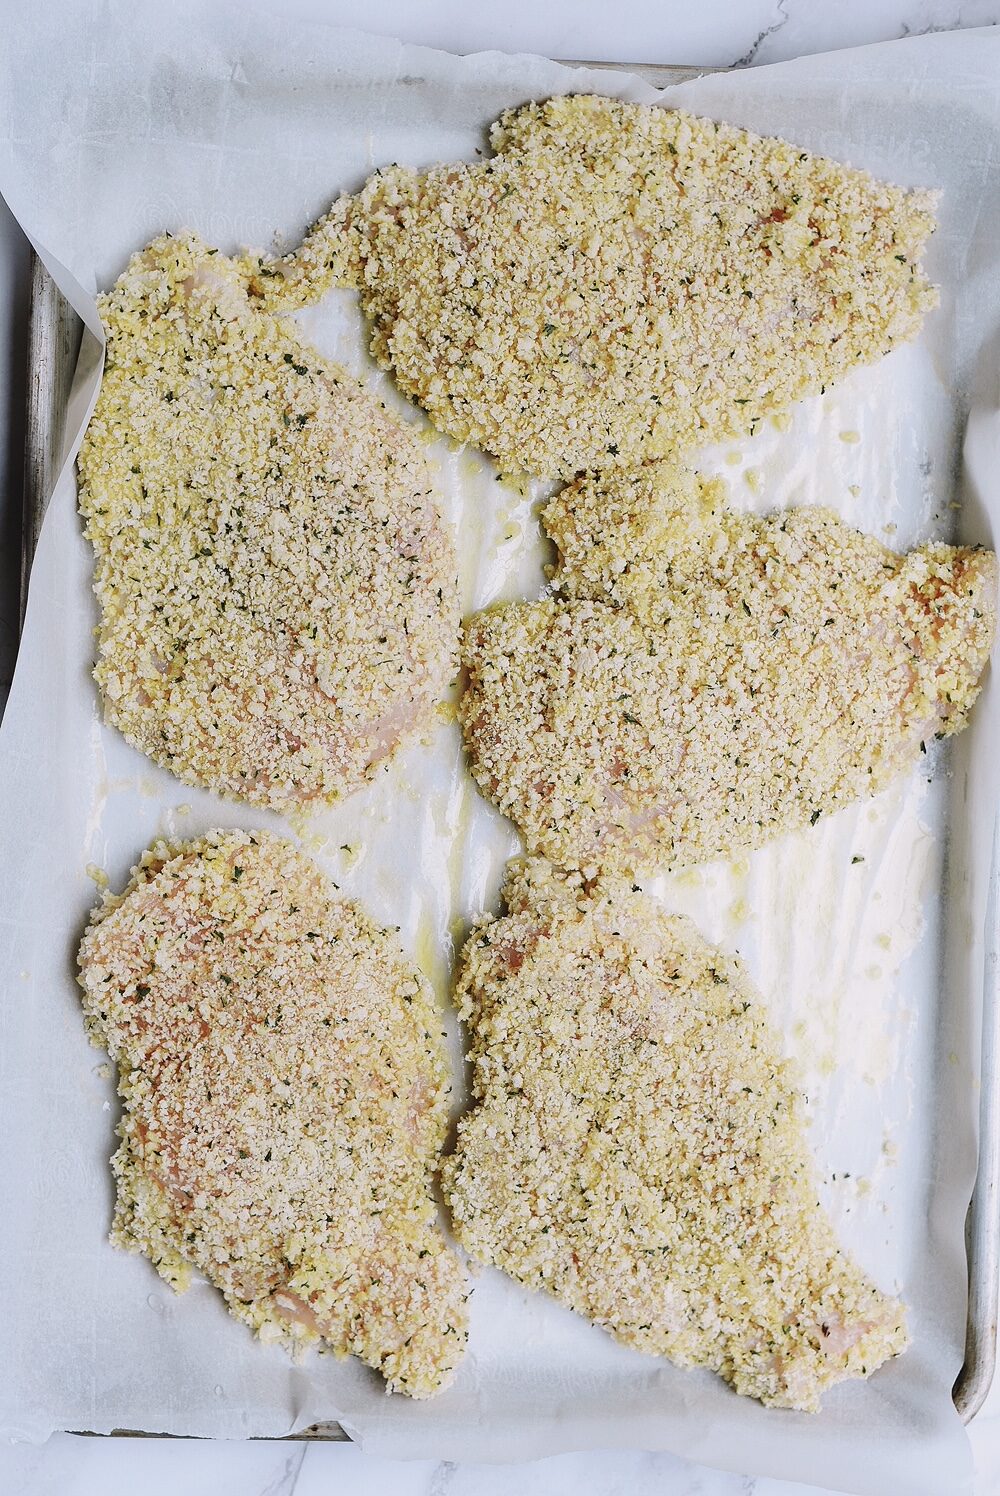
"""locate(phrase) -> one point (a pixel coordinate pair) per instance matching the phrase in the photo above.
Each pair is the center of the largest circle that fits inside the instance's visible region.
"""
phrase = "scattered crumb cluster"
(706, 680)
(285, 1089)
(279, 601)
(618, 282)
(636, 1145)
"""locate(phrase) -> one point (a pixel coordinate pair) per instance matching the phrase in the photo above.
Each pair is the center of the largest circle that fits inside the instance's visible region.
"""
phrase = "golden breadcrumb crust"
(619, 282)
(278, 591)
(636, 1146)
(707, 680)
(285, 1094)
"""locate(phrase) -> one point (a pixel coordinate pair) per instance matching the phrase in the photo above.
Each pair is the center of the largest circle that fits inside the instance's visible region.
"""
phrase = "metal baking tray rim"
(53, 346)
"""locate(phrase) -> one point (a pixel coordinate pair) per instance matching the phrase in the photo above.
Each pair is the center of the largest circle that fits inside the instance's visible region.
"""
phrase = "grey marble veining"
(799, 27)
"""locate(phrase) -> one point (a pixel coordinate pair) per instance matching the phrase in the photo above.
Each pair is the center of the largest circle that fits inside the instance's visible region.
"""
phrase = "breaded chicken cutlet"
(617, 282)
(636, 1146)
(278, 591)
(707, 680)
(284, 1084)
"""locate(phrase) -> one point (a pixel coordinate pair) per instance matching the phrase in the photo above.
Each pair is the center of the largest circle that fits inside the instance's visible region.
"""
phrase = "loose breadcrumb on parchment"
(618, 282)
(278, 591)
(707, 680)
(285, 1091)
(636, 1145)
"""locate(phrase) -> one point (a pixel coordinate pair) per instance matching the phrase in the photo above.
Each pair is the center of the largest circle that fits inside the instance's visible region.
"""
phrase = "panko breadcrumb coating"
(619, 282)
(636, 1147)
(278, 591)
(285, 1090)
(709, 680)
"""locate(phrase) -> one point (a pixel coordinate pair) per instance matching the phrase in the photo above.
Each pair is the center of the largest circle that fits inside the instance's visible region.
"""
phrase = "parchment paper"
(119, 121)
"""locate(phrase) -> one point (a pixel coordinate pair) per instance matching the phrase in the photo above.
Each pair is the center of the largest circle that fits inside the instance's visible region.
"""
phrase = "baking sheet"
(236, 125)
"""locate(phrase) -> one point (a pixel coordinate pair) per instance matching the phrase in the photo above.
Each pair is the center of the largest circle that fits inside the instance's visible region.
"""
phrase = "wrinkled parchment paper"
(129, 120)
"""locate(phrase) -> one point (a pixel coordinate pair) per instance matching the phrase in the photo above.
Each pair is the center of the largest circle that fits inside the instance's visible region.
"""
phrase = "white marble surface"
(711, 32)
